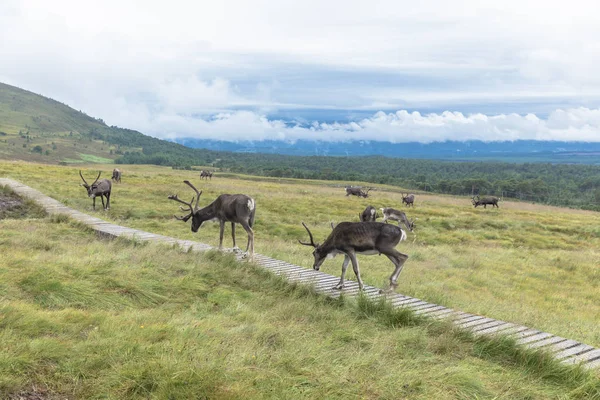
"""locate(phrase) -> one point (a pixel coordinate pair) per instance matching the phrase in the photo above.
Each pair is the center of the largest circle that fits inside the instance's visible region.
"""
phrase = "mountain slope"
(36, 128)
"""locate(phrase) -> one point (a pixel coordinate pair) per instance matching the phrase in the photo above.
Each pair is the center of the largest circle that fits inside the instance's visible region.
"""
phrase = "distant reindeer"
(355, 191)
(206, 174)
(397, 215)
(369, 215)
(234, 208)
(484, 201)
(352, 238)
(116, 176)
(100, 188)
(409, 199)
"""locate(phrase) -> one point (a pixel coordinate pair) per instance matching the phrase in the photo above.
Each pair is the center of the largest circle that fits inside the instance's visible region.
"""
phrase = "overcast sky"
(329, 69)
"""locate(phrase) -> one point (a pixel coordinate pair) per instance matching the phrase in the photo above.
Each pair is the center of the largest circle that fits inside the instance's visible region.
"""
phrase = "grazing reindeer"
(354, 191)
(206, 174)
(399, 216)
(351, 238)
(100, 188)
(234, 208)
(116, 176)
(369, 215)
(409, 199)
(484, 201)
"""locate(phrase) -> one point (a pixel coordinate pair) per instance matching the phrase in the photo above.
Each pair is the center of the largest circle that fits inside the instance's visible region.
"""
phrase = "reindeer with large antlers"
(352, 238)
(100, 188)
(234, 208)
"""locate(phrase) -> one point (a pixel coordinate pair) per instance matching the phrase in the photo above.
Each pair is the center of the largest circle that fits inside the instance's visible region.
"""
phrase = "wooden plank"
(584, 357)
(545, 342)
(523, 334)
(487, 325)
(510, 331)
(563, 345)
(444, 313)
(470, 324)
(594, 364)
(572, 351)
(495, 330)
(423, 306)
(428, 311)
(535, 338)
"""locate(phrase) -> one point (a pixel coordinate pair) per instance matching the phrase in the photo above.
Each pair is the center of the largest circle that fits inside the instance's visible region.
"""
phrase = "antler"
(198, 193)
(312, 242)
(98, 177)
(185, 217)
(83, 178)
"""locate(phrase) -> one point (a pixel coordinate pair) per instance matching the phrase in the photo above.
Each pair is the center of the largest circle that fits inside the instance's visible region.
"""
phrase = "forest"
(576, 186)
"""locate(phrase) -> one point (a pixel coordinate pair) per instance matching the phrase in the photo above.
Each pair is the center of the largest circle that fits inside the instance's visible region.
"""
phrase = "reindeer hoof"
(338, 287)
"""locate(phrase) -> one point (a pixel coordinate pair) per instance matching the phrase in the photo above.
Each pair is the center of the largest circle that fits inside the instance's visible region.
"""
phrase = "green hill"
(37, 128)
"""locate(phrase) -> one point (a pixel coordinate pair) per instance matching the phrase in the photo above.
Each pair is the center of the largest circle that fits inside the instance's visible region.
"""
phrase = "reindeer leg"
(398, 259)
(221, 234)
(233, 236)
(94, 204)
(108, 201)
(340, 284)
(250, 244)
(356, 270)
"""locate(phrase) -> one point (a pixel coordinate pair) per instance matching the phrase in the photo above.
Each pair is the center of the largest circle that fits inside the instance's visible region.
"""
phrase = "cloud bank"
(235, 69)
(581, 124)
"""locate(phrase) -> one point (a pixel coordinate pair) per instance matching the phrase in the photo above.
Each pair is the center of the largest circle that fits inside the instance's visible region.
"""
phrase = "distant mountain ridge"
(520, 150)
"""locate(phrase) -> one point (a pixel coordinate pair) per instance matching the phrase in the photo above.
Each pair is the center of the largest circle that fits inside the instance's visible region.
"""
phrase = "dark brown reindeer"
(409, 199)
(369, 215)
(100, 188)
(116, 176)
(352, 238)
(355, 191)
(399, 216)
(206, 174)
(234, 208)
(484, 201)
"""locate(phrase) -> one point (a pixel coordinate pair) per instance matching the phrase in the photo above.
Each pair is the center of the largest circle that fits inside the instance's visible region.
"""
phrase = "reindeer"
(484, 201)
(206, 174)
(369, 215)
(351, 238)
(100, 188)
(354, 191)
(409, 199)
(399, 216)
(234, 208)
(116, 176)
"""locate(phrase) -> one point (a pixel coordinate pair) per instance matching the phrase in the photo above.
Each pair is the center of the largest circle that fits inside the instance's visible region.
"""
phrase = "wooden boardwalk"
(566, 350)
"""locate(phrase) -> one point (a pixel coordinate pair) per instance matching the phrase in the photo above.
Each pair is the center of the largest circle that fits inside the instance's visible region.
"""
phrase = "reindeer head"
(91, 189)
(319, 253)
(475, 202)
(193, 211)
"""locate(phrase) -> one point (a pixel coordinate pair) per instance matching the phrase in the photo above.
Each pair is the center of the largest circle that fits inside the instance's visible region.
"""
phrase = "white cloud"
(166, 68)
(402, 126)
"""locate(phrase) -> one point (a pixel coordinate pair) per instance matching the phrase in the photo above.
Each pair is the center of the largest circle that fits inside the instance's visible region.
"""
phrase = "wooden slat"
(545, 342)
(584, 357)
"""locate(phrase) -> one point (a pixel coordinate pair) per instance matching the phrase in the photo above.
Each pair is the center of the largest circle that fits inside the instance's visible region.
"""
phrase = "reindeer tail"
(403, 237)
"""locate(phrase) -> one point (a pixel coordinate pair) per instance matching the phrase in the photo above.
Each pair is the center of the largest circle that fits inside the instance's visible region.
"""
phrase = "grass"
(14, 206)
(524, 263)
(83, 318)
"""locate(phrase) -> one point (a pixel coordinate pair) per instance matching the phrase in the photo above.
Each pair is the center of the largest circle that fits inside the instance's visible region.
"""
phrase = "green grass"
(529, 264)
(14, 206)
(84, 318)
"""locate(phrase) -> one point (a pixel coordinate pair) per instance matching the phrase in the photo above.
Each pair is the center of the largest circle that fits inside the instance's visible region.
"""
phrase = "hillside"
(35, 128)
(128, 320)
